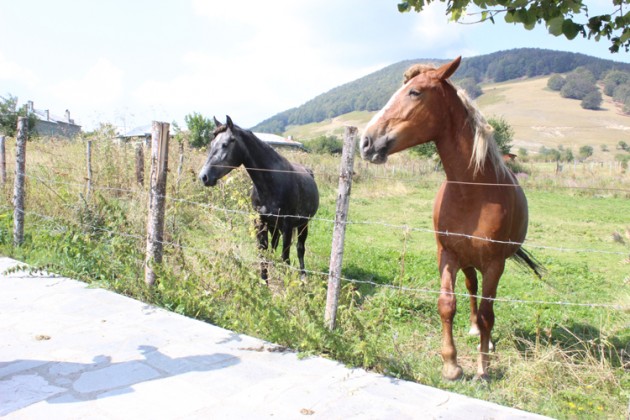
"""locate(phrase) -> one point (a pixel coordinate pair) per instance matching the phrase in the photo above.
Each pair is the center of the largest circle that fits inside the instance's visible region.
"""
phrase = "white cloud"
(433, 30)
(12, 71)
(102, 84)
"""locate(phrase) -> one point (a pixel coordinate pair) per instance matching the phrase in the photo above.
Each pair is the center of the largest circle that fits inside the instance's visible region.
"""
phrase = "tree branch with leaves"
(565, 17)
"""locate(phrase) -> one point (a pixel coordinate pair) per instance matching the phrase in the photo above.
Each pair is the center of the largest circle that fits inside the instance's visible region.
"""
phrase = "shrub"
(330, 145)
(592, 100)
(556, 82)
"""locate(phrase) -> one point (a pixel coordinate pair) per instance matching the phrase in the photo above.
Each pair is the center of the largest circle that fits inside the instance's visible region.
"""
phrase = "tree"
(613, 79)
(561, 17)
(331, 145)
(556, 82)
(471, 87)
(200, 129)
(579, 83)
(586, 151)
(9, 116)
(623, 145)
(592, 100)
(503, 133)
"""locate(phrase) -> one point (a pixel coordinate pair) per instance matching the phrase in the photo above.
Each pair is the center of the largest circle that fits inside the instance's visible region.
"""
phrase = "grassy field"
(562, 343)
(539, 117)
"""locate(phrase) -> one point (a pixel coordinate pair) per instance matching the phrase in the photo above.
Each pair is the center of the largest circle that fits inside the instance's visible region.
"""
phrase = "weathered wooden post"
(140, 163)
(157, 199)
(18, 190)
(180, 165)
(88, 153)
(339, 231)
(3, 160)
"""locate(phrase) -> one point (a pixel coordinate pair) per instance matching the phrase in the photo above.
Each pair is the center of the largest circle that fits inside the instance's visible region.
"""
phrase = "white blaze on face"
(380, 113)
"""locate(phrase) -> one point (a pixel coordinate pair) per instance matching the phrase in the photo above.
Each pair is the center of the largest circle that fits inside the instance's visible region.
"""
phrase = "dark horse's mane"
(223, 128)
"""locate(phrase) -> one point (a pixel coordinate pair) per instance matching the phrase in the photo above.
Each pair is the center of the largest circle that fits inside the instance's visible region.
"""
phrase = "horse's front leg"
(485, 316)
(447, 306)
(262, 234)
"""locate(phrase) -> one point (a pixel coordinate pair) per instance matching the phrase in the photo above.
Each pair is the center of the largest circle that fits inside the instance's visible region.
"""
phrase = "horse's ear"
(228, 122)
(446, 70)
(217, 123)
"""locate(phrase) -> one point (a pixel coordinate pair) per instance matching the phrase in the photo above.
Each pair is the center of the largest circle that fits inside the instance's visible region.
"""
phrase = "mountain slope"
(371, 92)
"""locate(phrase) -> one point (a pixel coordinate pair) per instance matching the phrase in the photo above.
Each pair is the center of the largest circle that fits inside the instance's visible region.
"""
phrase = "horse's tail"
(525, 259)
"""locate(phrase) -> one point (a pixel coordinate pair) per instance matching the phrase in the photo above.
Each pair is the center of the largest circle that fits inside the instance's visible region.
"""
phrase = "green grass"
(561, 360)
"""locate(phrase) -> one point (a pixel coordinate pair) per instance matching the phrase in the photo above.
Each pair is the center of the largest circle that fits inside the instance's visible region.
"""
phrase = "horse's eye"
(414, 93)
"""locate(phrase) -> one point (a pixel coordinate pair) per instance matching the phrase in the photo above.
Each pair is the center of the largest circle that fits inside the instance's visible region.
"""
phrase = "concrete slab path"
(68, 351)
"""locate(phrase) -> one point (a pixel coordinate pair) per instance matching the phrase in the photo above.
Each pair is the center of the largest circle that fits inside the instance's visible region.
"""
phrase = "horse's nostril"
(366, 143)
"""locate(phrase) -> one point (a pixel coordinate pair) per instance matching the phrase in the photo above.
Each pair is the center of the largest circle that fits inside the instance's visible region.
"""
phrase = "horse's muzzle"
(207, 181)
(370, 153)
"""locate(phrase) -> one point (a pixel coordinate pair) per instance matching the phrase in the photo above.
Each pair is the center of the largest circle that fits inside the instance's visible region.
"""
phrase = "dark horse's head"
(224, 154)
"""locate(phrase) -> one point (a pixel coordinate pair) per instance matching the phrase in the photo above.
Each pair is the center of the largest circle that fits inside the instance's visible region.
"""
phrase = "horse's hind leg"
(472, 285)
(287, 237)
(301, 247)
(485, 316)
(447, 306)
(262, 235)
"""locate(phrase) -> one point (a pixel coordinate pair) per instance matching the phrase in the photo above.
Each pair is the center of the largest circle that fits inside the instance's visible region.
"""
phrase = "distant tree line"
(370, 93)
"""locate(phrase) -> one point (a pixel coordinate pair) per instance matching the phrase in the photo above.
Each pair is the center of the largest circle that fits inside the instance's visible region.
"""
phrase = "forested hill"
(370, 93)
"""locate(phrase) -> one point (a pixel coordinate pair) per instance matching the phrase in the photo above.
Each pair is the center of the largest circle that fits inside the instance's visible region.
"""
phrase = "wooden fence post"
(339, 231)
(3, 161)
(140, 163)
(157, 199)
(88, 153)
(18, 190)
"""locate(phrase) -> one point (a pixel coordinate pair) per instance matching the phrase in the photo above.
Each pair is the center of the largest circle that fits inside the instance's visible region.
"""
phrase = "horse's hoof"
(452, 373)
(483, 377)
(474, 330)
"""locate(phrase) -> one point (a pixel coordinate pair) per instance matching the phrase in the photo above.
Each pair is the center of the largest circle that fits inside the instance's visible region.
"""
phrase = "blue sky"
(130, 62)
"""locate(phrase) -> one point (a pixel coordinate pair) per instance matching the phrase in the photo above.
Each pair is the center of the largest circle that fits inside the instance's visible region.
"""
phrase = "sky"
(130, 62)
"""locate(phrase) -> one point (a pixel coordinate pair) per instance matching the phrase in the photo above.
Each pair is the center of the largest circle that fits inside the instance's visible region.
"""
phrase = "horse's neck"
(455, 149)
(260, 162)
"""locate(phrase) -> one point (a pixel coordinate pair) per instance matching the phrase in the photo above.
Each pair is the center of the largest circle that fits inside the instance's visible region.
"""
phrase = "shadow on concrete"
(26, 382)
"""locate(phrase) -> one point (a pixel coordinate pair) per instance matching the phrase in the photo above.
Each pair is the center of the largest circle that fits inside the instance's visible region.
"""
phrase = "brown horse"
(480, 212)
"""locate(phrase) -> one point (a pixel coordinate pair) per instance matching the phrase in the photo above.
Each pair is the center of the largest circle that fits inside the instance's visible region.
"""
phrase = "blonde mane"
(484, 145)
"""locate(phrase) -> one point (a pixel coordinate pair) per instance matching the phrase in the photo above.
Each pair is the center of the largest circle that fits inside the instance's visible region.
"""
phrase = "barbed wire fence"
(49, 184)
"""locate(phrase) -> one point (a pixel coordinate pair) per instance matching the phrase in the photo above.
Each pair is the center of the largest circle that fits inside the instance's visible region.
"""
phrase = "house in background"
(47, 124)
(143, 134)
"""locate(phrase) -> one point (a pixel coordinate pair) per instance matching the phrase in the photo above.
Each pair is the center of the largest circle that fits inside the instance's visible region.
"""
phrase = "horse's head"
(413, 114)
(224, 154)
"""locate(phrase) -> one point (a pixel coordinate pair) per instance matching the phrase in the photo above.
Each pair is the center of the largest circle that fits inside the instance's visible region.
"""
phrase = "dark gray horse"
(285, 194)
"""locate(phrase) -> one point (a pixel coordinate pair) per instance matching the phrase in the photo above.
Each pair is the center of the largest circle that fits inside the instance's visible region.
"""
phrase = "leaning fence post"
(18, 191)
(157, 199)
(339, 232)
(3, 161)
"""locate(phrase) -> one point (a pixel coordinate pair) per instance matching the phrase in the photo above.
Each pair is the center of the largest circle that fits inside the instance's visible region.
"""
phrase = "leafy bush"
(592, 100)
(503, 133)
(556, 82)
(330, 145)
(586, 151)
(471, 87)
(200, 130)
(613, 79)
